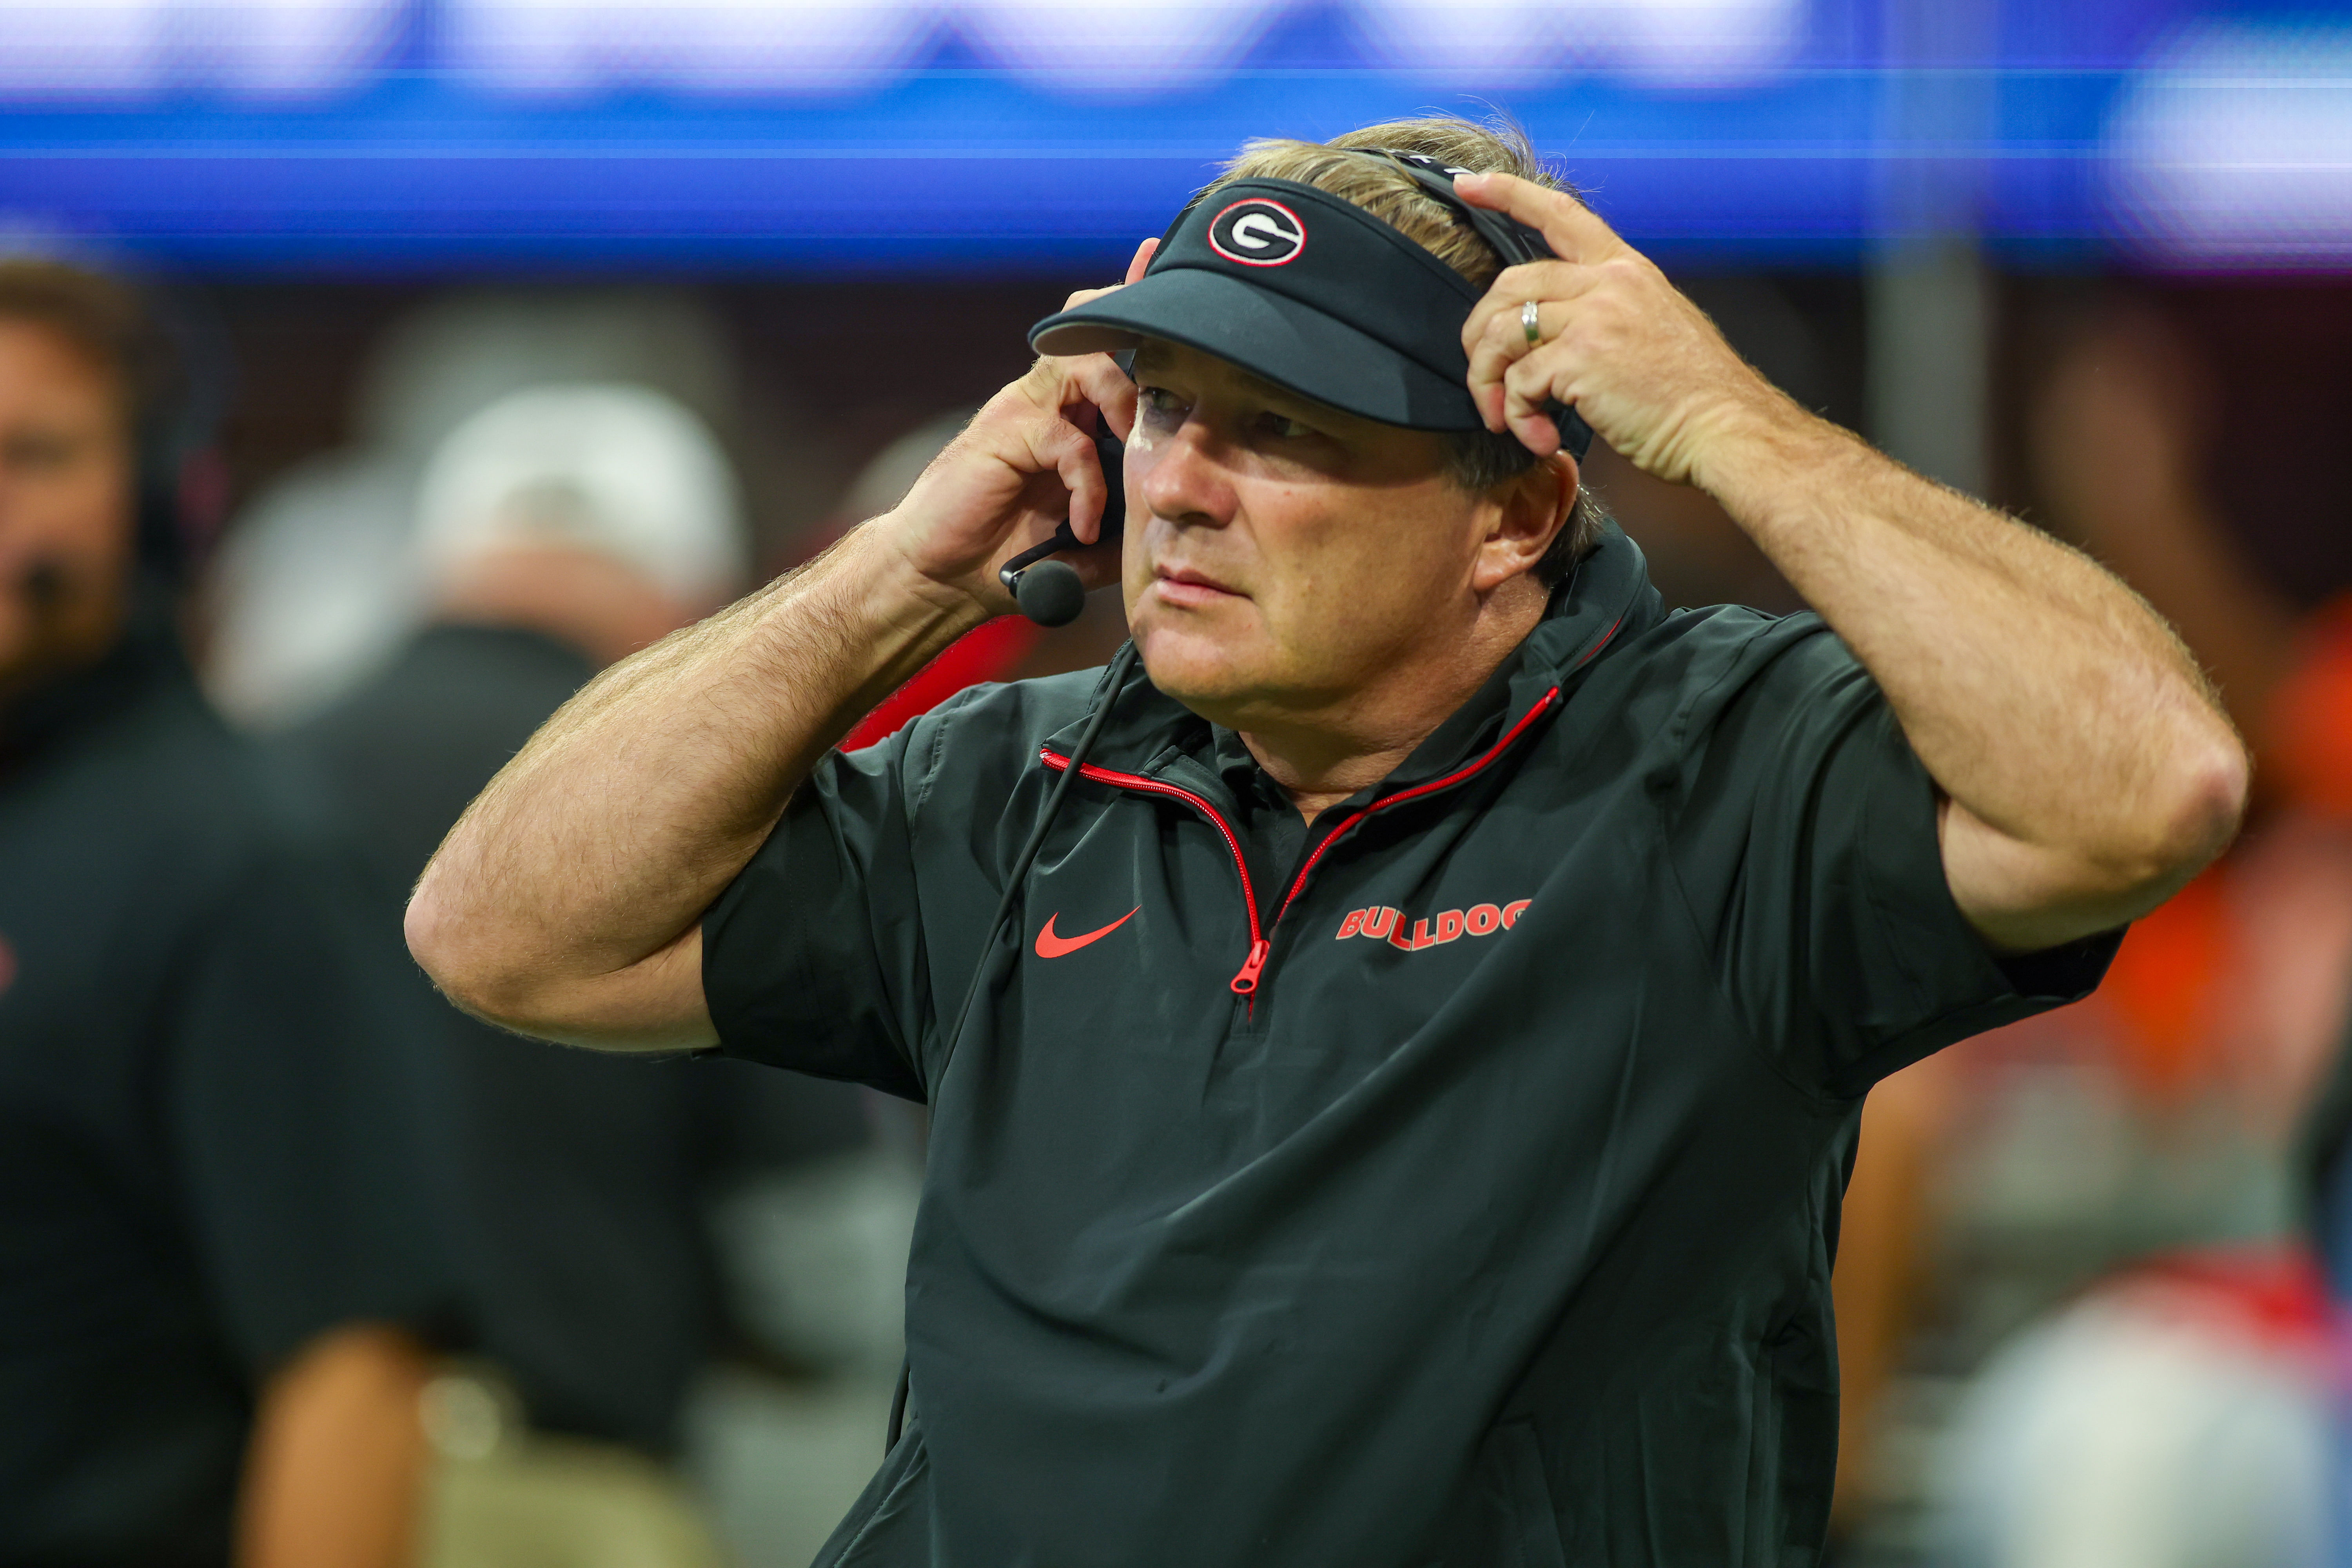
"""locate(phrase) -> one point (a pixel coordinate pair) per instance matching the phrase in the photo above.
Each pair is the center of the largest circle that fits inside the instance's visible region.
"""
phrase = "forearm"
(2040, 693)
(2170, 550)
(2087, 770)
(598, 847)
(334, 1473)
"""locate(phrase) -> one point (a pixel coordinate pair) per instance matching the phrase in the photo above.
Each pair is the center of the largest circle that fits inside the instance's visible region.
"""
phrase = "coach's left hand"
(1642, 365)
(2084, 770)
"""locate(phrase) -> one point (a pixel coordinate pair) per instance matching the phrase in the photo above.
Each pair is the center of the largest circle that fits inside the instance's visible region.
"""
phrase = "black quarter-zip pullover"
(1465, 1195)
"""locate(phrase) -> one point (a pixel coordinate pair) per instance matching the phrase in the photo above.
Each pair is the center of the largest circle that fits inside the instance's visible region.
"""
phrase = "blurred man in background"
(558, 530)
(318, 583)
(216, 1263)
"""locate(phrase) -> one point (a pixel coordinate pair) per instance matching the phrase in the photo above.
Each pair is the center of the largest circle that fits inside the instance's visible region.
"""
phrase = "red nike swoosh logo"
(1052, 946)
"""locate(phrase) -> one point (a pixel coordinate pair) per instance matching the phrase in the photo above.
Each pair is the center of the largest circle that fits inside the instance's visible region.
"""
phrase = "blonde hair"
(1349, 167)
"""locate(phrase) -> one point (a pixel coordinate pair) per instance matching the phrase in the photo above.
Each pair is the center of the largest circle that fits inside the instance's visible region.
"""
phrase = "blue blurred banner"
(400, 135)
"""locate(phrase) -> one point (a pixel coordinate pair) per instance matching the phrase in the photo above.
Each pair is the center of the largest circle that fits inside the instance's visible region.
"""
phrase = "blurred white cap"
(621, 469)
(884, 482)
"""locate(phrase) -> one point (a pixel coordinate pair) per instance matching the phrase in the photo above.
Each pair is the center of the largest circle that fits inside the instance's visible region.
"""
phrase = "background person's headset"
(177, 375)
(1050, 593)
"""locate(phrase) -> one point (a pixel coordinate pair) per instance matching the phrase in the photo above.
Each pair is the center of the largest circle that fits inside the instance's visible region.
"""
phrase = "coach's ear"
(1520, 517)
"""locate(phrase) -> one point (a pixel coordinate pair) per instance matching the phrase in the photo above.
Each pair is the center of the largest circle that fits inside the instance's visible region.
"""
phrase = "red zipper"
(1245, 981)
(1543, 705)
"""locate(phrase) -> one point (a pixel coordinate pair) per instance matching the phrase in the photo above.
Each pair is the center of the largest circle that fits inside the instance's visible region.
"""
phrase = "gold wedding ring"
(1531, 322)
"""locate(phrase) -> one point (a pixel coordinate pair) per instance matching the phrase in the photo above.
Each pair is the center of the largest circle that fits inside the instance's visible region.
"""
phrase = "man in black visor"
(1394, 1047)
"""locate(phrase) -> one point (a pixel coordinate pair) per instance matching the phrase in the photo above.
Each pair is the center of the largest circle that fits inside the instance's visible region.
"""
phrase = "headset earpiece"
(177, 423)
(1515, 243)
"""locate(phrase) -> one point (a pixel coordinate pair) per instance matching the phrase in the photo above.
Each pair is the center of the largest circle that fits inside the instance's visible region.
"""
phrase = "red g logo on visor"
(1257, 233)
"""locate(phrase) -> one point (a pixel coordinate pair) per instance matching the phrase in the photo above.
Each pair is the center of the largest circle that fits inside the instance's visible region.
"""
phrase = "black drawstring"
(898, 1409)
(1113, 680)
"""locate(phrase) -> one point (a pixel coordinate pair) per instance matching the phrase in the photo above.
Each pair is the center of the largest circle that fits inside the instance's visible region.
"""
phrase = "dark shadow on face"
(67, 515)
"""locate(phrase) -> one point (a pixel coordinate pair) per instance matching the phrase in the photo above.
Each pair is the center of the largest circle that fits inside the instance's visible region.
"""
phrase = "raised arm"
(567, 901)
(2088, 771)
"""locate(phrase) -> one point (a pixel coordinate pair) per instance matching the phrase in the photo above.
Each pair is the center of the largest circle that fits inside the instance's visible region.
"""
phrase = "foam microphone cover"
(1050, 593)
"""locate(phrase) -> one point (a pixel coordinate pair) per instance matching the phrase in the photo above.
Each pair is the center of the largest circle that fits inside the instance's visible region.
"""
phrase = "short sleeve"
(1805, 842)
(812, 959)
(310, 1111)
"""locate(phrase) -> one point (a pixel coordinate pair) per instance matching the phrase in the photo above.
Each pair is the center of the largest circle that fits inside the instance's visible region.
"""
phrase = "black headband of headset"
(1511, 240)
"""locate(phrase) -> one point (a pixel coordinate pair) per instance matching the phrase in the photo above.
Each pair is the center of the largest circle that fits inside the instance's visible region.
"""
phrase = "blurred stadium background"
(2091, 260)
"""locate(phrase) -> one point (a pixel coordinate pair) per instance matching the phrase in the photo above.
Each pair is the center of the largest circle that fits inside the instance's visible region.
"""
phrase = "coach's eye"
(1161, 410)
(1283, 427)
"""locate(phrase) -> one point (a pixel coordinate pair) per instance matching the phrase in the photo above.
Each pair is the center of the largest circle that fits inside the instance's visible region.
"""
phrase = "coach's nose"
(1180, 476)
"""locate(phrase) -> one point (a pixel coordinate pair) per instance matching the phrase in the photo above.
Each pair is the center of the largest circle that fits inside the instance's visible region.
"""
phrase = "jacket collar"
(1604, 601)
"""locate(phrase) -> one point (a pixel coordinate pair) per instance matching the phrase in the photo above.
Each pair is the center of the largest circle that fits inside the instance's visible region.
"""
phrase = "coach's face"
(66, 509)
(1282, 556)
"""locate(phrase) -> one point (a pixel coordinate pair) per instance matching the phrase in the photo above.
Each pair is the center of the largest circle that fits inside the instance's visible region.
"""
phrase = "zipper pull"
(1246, 981)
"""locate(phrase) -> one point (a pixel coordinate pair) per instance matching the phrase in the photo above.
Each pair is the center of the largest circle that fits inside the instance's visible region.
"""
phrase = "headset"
(178, 381)
(1513, 241)
(1050, 593)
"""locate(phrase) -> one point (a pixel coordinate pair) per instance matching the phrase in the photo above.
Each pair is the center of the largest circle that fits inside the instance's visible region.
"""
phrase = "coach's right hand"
(1026, 461)
(568, 902)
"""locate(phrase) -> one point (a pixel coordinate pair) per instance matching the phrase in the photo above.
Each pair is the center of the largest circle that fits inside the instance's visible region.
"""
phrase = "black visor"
(1303, 290)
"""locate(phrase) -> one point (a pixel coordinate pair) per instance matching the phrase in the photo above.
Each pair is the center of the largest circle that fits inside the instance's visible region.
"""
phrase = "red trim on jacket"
(1245, 981)
(1543, 705)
